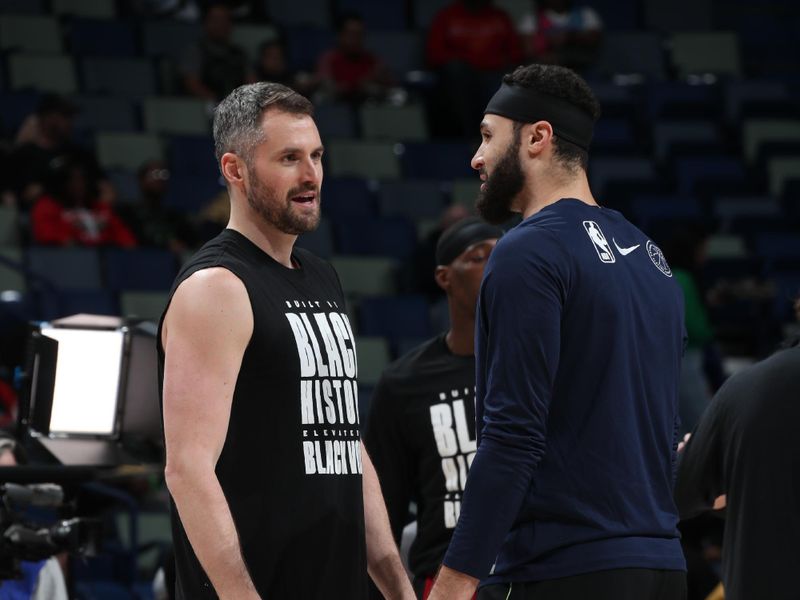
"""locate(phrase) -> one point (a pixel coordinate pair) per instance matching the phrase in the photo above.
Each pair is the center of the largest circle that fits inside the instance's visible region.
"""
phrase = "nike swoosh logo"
(624, 251)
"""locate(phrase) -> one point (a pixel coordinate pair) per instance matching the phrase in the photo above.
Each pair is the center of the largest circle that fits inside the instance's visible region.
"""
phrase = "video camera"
(21, 540)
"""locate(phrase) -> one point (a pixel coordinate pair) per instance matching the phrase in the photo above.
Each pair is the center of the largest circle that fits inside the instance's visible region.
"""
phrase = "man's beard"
(507, 180)
(266, 204)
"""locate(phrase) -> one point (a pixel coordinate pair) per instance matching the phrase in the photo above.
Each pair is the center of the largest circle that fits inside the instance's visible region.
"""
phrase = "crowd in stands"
(106, 148)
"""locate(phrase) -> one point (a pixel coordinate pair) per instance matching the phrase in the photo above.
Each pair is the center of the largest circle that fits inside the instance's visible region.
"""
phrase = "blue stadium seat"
(395, 317)
(778, 246)
(319, 241)
(109, 38)
(168, 38)
(647, 210)
(22, 7)
(14, 107)
(619, 15)
(716, 171)
(605, 170)
(437, 160)
(306, 44)
(72, 302)
(346, 198)
(393, 237)
(633, 52)
(387, 15)
(335, 120)
(680, 100)
(401, 51)
(69, 268)
(140, 269)
(104, 113)
(188, 155)
(190, 193)
(787, 290)
(412, 198)
(613, 135)
(126, 183)
(674, 136)
(102, 75)
(315, 13)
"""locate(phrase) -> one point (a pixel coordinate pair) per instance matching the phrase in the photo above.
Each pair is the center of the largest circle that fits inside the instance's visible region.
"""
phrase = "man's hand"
(683, 442)
(453, 585)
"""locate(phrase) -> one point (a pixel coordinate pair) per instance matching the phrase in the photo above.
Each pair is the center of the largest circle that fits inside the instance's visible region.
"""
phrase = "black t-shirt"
(747, 446)
(421, 437)
(290, 467)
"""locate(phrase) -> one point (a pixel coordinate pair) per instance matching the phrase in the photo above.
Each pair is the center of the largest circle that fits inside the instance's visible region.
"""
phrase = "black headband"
(461, 235)
(528, 106)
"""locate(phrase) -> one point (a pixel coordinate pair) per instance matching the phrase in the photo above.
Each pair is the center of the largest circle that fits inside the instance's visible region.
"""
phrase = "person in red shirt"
(70, 211)
(349, 70)
(470, 43)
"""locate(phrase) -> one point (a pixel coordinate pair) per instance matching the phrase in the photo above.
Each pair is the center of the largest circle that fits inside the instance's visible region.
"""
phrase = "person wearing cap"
(421, 427)
(579, 336)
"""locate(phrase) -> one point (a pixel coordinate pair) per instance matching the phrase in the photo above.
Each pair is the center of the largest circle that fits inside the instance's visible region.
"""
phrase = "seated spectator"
(272, 66)
(44, 136)
(153, 224)
(561, 33)
(349, 71)
(470, 44)
(214, 66)
(72, 211)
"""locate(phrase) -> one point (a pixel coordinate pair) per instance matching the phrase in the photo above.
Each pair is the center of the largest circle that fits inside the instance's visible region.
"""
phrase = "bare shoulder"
(210, 300)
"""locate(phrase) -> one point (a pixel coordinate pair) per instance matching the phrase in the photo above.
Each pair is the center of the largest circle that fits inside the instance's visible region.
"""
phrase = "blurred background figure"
(469, 45)
(686, 252)
(349, 71)
(213, 66)
(153, 224)
(562, 33)
(273, 66)
(71, 211)
(44, 136)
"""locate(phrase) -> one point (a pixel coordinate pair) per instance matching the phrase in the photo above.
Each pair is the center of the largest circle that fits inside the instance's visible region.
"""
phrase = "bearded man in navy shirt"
(579, 336)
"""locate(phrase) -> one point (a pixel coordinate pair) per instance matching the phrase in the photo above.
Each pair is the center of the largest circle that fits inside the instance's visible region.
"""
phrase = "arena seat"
(127, 150)
(394, 123)
(30, 33)
(102, 75)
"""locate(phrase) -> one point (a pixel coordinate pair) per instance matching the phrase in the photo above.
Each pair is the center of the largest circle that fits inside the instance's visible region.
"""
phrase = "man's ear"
(537, 136)
(233, 169)
(442, 277)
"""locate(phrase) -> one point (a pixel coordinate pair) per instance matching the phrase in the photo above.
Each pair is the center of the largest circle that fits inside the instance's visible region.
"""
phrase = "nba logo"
(599, 241)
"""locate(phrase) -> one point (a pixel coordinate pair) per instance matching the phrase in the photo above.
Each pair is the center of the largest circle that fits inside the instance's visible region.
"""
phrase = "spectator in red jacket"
(70, 211)
(562, 33)
(349, 70)
(470, 44)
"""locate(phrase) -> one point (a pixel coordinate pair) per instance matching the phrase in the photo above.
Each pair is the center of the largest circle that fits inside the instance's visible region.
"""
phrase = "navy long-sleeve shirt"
(579, 337)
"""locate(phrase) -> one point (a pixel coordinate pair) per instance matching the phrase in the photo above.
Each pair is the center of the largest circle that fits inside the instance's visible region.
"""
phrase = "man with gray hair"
(272, 494)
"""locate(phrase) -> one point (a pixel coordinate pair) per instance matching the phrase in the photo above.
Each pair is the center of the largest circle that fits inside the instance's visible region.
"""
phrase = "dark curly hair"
(564, 84)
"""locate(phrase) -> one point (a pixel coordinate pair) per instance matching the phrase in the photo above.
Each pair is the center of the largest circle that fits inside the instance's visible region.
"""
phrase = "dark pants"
(616, 584)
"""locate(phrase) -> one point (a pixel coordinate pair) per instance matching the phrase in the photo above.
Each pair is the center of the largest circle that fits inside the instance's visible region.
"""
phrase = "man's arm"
(520, 323)
(699, 484)
(207, 328)
(383, 560)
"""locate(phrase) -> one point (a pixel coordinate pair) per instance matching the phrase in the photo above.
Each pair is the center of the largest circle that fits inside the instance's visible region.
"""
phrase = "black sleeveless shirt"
(290, 467)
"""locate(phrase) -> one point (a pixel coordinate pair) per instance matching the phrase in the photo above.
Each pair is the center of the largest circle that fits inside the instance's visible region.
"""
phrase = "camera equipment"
(21, 540)
(92, 391)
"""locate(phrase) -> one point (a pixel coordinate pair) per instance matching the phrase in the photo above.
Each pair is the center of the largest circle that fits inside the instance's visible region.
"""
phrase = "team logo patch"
(657, 256)
(599, 241)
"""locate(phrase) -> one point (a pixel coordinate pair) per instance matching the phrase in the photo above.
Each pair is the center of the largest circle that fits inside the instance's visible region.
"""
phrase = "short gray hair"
(237, 119)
